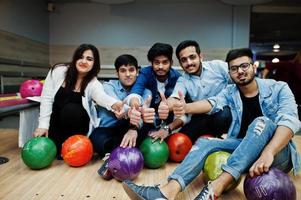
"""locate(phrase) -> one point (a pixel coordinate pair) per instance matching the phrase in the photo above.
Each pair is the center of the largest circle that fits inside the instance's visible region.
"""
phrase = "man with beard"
(201, 80)
(159, 77)
(264, 121)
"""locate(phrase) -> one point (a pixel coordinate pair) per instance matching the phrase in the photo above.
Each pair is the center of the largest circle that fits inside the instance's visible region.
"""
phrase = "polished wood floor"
(60, 181)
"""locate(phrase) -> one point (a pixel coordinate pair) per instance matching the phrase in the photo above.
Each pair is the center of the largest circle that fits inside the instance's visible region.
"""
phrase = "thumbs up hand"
(163, 109)
(180, 106)
(135, 116)
(148, 114)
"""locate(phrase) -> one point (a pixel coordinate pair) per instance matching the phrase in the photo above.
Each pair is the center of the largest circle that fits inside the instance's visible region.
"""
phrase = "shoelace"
(208, 194)
(210, 191)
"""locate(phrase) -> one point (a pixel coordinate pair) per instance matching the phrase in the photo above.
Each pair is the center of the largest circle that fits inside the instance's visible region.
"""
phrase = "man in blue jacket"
(159, 77)
(264, 121)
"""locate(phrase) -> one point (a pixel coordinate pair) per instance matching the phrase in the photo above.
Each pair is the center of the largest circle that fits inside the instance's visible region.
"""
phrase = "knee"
(260, 125)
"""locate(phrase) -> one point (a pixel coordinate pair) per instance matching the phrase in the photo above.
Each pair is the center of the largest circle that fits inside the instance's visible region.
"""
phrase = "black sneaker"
(104, 171)
(206, 193)
(136, 192)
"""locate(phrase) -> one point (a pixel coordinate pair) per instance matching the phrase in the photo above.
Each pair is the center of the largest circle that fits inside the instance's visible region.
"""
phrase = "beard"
(246, 81)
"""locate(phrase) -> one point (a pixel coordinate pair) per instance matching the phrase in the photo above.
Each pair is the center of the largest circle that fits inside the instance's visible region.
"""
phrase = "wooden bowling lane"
(63, 182)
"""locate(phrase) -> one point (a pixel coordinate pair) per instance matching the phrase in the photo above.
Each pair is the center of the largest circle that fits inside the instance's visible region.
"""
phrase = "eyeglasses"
(244, 66)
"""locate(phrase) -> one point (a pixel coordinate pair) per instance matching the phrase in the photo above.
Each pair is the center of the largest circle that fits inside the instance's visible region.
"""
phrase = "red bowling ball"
(179, 145)
(77, 150)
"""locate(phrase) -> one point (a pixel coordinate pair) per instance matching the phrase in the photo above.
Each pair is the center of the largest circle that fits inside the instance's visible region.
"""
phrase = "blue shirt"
(277, 102)
(213, 79)
(115, 89)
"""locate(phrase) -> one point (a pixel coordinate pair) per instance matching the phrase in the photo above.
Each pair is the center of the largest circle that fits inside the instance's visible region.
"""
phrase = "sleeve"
(218, 102)
(180, 86)
(110, 90)
(146, 94)
(140, 84)
(287, 113)
(47, 98)
(100, 97)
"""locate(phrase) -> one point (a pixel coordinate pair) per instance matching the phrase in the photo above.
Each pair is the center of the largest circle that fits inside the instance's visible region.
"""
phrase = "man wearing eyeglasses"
(264, 120)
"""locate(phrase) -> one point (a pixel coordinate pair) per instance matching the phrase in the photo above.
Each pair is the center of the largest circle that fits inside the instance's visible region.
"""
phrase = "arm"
(102, 98)
(197, 107)
(288, 124)
(281, 138)
(53, 78)
(135, 98)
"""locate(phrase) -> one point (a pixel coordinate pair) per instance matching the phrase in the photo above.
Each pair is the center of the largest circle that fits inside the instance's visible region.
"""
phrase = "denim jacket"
(277, 102)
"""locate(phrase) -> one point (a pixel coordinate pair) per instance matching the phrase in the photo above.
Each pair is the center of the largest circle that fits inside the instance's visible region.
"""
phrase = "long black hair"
(72, 73)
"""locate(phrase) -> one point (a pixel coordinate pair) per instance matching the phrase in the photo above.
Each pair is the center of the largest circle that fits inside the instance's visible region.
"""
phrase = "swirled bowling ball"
(77, 150)
(125, 163)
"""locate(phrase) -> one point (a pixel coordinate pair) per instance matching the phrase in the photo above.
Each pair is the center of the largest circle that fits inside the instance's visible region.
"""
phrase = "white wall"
(28, 18)
(212, 24)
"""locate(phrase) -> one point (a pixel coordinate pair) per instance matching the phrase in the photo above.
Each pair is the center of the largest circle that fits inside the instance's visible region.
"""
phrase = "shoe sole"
(133, 195)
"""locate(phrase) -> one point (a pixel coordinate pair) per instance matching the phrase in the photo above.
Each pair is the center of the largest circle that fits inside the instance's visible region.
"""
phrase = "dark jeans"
(201, 124)
(106, 139)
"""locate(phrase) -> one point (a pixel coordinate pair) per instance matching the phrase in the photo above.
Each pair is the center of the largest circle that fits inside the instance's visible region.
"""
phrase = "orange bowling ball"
(179, 145)
(77, 150)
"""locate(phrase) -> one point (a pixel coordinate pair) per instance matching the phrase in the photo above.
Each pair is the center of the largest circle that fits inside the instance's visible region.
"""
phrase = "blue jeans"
(244, 153)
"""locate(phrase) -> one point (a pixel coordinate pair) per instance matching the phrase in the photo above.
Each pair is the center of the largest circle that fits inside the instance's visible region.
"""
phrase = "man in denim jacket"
(264, 120)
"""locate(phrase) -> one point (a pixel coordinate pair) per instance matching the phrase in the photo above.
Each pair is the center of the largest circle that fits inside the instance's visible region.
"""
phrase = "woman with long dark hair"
(69, 96)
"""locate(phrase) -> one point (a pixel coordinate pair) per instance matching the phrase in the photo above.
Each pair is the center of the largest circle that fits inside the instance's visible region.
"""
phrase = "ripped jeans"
(244, 153)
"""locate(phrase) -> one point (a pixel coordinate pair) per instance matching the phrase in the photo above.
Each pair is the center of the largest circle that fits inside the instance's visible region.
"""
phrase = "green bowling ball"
(213, 166)
(38, 152)
(155, 154)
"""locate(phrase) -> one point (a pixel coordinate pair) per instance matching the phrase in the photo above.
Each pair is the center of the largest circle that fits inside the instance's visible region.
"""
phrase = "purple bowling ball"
(125, 163)
(31, 88)
(274, 185)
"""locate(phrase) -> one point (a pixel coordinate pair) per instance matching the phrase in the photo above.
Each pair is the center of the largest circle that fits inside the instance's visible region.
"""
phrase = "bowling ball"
(31, 88)
(38, 152)
(77, 150)
(179, 145)
(273, 185)
(125, 163)
(155, 154)
(213, 167)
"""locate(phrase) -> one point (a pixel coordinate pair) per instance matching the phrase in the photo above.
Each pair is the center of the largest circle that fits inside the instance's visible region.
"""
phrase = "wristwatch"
(166, 128)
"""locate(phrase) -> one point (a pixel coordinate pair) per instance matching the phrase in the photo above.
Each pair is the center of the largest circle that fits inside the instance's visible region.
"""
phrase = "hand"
(163, 109)
(262, 164)
(135, 116)
(118, 109)
(160, 134)
(148, 114)
(129, 139)
(134, 103)
(180, 106)
(40, 132)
